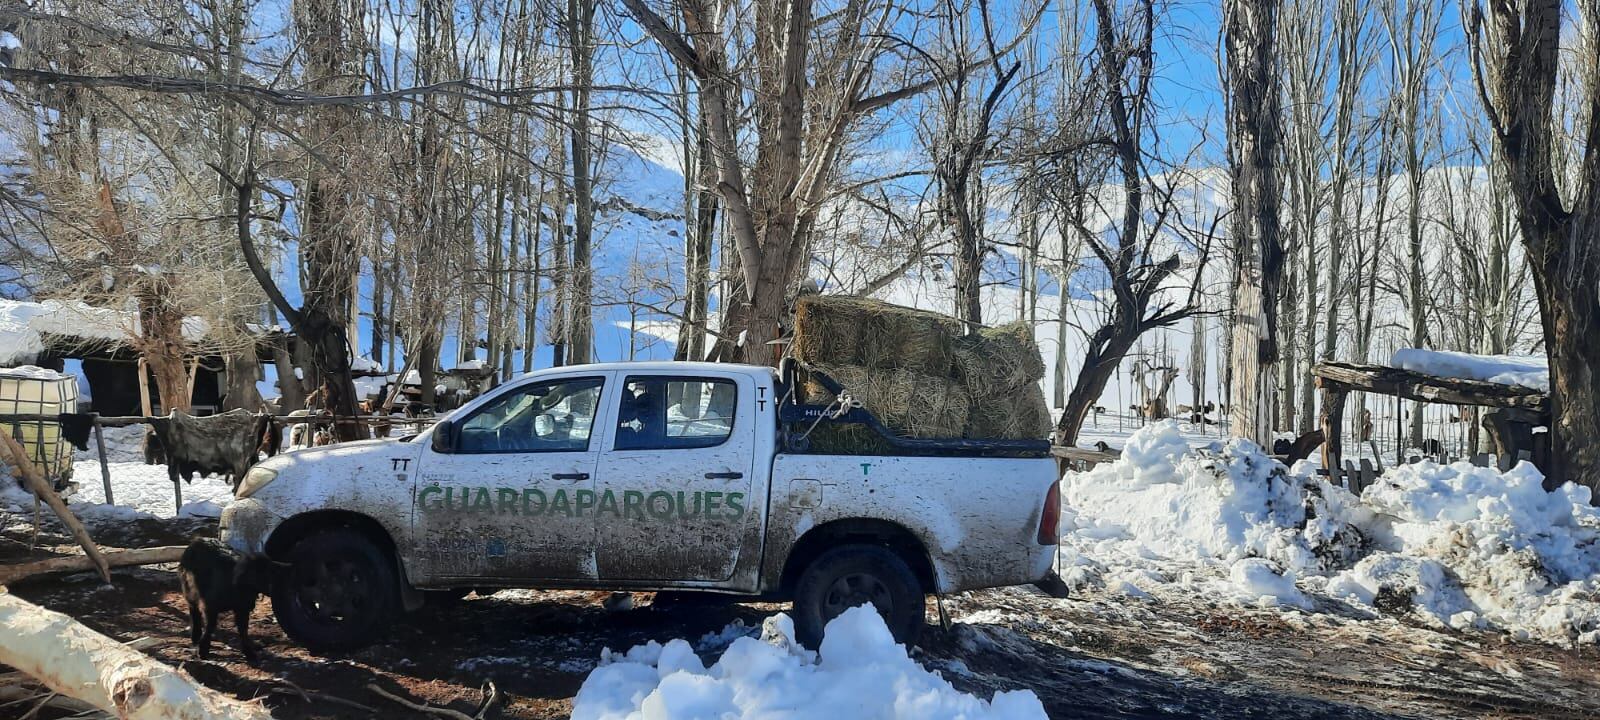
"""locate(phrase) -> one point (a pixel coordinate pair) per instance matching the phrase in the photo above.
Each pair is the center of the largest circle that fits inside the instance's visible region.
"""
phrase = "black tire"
(851, 575)
(339, 591)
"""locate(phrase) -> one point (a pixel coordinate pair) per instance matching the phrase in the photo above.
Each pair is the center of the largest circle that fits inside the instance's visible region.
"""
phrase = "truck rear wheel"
(854, 575)
(338, 593)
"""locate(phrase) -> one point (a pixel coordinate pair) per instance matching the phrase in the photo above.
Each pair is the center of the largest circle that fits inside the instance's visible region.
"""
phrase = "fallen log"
(73, 660)
(10, 574)
(16, 456)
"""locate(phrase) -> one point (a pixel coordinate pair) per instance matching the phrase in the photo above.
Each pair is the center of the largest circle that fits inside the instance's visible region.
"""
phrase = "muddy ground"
(1087, 657)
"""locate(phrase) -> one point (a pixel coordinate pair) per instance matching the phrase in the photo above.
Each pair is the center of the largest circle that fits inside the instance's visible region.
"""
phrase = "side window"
(662, 413)
(546, 417)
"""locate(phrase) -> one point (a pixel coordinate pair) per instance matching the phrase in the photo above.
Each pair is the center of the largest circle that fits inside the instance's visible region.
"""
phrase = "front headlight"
(254, 479)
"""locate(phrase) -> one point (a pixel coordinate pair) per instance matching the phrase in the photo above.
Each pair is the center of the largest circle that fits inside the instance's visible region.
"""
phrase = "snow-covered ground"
(1452, 546)
(858, 672)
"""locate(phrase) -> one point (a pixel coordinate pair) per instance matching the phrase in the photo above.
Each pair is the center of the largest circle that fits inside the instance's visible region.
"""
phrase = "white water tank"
(30, 390)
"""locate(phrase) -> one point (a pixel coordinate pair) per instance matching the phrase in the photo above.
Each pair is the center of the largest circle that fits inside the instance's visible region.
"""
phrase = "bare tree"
(1250, 31)
(1517, 64)
(1138, 256)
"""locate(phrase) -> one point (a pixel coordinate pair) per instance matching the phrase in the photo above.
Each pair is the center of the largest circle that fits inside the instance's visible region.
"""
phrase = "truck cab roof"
(645, 366)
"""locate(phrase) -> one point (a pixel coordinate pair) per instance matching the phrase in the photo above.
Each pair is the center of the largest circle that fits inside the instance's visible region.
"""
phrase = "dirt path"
(1091, 657)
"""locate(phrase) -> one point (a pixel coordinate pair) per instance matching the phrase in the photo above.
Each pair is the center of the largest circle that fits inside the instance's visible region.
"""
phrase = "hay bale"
(999, 360)
(1020, 414)
(911, 404)
(836, 330)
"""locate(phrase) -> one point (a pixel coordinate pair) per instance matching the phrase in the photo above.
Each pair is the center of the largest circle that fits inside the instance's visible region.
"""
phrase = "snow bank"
(859, 672)
(1453, 546)
(1215, 507)
(1481, 548)
(1521, 370)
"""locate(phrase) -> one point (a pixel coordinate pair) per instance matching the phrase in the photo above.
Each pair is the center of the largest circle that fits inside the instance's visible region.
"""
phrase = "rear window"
(664, 413)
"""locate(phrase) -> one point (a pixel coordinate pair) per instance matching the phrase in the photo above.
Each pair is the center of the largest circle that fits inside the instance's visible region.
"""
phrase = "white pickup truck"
(651, 476)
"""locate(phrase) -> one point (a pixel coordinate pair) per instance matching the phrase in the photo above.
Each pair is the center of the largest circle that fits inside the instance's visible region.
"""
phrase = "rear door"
(514, 501)
(675, 479)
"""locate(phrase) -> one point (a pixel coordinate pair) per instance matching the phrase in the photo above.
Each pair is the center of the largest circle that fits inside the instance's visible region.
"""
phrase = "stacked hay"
(1001, 369)
(919, 373)
(832, 330)
(911, 403)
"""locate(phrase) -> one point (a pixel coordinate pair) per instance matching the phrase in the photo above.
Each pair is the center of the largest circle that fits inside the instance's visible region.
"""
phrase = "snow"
(24, 324)
(32, 372)
(859, 672)
(1529, 371)
(1454, 546)
(146, 490)
(362, 363)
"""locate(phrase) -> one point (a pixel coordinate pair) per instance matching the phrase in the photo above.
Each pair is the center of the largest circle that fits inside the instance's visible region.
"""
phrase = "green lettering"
(422, 498)
(657, 511)
(736, 501)
(528, 508)
(507, 501)
(713, 501)
(449, 501)
(560, 504)
(682, 505)
(481, 501)
(608, 502)
(583, 500)
(632, 502)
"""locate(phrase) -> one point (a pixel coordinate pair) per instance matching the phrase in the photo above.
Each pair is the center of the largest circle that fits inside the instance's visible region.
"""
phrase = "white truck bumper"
(246, 525)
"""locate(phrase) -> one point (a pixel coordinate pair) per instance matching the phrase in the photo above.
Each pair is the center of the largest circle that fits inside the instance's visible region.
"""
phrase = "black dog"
(216, 578)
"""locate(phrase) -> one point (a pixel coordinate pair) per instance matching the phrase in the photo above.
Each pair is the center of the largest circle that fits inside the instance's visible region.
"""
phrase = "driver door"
(513, 500)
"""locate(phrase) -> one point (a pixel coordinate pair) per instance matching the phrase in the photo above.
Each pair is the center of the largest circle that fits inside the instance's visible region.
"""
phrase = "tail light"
(1050, 519)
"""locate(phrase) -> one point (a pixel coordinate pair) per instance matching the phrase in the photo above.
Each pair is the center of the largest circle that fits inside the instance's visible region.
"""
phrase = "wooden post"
(144, 389)
(15, 455)
(105, 468)
(1332, 422)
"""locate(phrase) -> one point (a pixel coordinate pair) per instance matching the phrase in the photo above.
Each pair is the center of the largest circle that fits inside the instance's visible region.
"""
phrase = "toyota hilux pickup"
(647, 476)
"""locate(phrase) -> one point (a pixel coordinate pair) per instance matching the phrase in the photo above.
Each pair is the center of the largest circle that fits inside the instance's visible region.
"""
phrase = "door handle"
(569, 476)
(724, 475)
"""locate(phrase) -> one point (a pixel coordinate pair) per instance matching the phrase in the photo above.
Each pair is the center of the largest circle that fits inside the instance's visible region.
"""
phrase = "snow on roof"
(1527, 371)
(23, 325)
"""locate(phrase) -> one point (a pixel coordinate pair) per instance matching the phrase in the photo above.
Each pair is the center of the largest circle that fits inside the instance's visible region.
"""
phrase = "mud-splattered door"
(681, 464)
(515, 498)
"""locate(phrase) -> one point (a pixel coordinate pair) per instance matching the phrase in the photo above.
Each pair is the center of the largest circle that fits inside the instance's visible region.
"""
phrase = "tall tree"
(809, 76)
(580, 288)
(1250, 39)
(1556, 186)
(1134, 250)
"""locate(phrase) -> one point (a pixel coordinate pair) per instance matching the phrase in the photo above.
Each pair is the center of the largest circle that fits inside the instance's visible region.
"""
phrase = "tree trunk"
(73, 660)
(328, 29)
(1562, 241)
(580, 28)
(162, 343)
(1250, 35)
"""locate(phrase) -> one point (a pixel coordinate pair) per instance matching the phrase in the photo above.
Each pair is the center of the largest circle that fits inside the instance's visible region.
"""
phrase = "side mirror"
(444, 437)
(544, 425)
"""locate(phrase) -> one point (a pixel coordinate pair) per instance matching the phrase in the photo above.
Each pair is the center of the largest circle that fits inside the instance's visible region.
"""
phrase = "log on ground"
(69, 658)
(11, 574)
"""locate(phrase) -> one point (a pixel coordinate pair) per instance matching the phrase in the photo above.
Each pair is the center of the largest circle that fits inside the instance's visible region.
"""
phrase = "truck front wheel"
(338, 592)
(853, 575)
